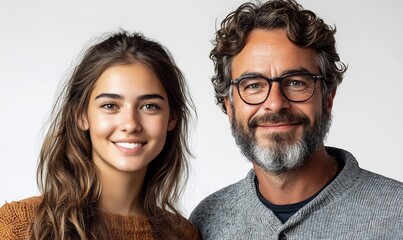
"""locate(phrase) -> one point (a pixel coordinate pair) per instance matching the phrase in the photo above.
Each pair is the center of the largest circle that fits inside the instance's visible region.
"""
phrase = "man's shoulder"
(225, 199)
(362, 188)
(382, 185)
(365, 180)
(223, 195)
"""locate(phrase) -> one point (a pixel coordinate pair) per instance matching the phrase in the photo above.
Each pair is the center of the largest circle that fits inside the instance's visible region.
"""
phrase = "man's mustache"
(281, 117)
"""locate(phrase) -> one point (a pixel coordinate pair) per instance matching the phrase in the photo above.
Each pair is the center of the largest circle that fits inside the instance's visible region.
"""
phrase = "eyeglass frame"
(280, 79)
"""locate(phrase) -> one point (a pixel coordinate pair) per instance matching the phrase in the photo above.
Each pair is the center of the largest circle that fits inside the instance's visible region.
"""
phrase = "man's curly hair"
(302, 27)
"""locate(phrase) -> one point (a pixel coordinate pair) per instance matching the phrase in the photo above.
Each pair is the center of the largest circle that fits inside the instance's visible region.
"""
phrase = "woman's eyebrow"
(109, 95)
(141, 97)
(151, 96)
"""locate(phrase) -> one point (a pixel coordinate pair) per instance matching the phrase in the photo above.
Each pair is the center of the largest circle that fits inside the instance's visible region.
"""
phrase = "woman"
(114, 156)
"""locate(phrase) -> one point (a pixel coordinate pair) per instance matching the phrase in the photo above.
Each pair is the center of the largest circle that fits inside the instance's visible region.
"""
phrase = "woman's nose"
(130, 121)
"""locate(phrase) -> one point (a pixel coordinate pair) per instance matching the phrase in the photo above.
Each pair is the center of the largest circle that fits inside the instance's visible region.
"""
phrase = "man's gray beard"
(282, 156)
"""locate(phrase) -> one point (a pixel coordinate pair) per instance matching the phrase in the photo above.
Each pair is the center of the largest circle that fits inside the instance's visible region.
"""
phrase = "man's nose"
(276, 101)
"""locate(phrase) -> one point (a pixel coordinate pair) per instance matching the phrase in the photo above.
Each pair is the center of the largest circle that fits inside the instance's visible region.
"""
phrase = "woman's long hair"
(67, 176)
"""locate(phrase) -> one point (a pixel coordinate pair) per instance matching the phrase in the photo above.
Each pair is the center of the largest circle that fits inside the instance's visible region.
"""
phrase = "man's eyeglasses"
(296, 87)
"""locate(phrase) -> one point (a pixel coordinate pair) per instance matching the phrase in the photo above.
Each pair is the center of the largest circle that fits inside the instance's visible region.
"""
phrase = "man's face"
(277, 135)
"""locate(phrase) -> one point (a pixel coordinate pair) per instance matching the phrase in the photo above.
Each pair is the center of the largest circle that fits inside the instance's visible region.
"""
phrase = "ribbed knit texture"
(16, 219)
(358, 204)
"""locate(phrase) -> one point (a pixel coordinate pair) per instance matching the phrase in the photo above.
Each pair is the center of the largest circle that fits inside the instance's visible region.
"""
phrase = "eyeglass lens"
(255, 89)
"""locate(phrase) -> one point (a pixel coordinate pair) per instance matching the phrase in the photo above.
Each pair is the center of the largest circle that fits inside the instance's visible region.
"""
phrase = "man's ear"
(329, 99)
(228, 108)
(82, 122)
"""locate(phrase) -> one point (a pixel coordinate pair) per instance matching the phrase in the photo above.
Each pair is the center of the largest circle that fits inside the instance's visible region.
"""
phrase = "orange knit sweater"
(16, 219)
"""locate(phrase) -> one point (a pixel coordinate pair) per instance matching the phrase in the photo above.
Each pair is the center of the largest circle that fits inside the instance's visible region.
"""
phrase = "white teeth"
(128, 145)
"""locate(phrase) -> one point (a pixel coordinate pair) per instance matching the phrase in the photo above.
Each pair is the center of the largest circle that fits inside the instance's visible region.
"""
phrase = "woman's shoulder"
(185, 228)
(16, 217)
(24, 206)
(31, 201)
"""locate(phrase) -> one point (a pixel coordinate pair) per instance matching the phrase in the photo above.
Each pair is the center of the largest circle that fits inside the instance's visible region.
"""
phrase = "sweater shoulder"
(381, 185)
(371, 196)
(20, 210)
(222, 195)
(16, 218)
(358, 181)
(34, 201)
(224, 200)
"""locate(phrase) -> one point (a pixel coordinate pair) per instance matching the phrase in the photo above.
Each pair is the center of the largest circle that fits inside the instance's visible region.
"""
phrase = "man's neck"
(299, 184)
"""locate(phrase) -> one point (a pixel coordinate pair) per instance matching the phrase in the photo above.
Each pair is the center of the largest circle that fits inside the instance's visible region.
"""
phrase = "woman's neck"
(121, 191)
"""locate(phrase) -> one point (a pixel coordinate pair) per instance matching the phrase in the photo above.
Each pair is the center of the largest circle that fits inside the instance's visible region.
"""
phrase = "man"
(276, 75)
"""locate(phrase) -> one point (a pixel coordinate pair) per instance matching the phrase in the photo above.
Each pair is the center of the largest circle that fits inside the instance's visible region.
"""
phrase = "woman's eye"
(151, 107)
(109, 106)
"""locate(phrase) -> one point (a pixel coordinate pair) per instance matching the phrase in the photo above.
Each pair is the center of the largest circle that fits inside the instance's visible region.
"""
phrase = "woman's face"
(127, 118)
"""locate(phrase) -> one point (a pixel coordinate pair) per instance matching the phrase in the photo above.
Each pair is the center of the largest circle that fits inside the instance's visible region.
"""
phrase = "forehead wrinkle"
(270, 53)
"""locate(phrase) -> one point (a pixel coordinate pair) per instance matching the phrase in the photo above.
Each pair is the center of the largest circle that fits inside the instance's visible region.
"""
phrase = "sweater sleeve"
(8, 222)
(16, 219)
(6, 231)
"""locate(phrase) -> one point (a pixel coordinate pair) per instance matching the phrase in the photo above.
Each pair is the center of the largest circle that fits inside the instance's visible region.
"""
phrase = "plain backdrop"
(41, 40)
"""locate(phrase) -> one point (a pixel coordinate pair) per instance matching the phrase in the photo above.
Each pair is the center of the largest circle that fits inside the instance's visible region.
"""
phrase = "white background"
(41, 40)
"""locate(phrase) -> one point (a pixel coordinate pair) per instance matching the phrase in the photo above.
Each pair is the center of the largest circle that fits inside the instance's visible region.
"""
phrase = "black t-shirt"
(284, 212)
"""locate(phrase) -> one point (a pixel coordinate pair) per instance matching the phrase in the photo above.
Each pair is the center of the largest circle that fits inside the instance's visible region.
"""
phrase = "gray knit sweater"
(358, 204)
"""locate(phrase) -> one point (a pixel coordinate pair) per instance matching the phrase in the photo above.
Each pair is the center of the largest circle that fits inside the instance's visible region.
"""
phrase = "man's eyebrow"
(109, 95)
(298, 70)
(246, 74)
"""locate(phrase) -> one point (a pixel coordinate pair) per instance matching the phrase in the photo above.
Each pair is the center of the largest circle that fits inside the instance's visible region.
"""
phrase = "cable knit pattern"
(16, 219)
(358, 204)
